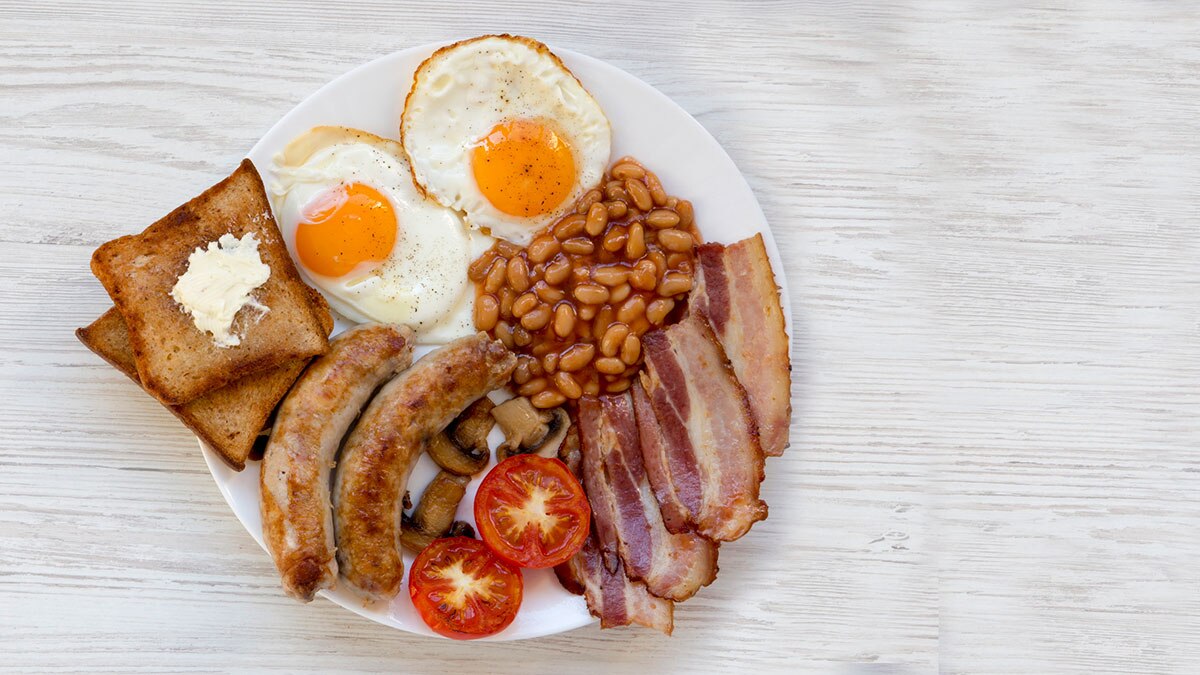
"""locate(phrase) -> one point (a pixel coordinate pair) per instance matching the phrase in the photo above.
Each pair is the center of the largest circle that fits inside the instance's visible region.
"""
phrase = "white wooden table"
(992, 225)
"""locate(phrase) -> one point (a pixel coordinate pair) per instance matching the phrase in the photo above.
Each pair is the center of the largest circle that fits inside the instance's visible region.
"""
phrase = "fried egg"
(498, 129)
(368, 239)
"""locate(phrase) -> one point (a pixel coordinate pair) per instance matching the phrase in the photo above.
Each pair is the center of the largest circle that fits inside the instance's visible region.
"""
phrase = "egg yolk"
(345, 227)
(523, 168)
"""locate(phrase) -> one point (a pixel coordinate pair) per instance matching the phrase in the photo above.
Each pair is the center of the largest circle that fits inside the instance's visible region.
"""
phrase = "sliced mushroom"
(461, 528)
(462, 448)
(569, 451)
(435, 513)
(529, 430)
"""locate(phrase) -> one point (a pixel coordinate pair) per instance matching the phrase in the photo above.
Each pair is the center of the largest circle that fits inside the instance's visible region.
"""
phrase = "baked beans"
(575, 303)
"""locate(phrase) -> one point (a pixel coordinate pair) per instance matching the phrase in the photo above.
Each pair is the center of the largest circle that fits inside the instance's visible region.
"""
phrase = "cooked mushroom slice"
(454, 459)
(462, 449)
(435, 512)
(529, 430)
(569, 451)
(471, 429)
(461, 528)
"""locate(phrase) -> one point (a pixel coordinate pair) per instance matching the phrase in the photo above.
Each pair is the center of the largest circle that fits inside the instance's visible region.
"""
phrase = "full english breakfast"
(546, 327)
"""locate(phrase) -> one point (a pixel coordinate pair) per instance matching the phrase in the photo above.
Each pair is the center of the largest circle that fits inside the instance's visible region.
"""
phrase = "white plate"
(647, 125)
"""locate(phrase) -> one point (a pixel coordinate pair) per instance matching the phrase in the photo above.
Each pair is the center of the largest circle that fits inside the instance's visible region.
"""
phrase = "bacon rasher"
(700, 445)
(736, 290)
(612, 596)
(625, 511)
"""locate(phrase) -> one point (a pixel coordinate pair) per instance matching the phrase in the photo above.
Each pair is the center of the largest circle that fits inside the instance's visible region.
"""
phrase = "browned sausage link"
(297, 520)
(384, 445)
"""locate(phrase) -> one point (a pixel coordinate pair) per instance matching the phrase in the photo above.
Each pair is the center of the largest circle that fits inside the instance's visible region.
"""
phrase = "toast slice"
(228, 419)
(176, 361)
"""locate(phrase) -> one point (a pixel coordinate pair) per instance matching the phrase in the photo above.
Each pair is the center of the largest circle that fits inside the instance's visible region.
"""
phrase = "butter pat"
(218, 283)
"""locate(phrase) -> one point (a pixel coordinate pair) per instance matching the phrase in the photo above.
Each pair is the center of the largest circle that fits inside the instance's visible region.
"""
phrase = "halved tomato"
(532, 511)
(462, 590)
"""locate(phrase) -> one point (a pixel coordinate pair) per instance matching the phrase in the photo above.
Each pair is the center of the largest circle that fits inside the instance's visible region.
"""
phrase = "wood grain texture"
(991, 227)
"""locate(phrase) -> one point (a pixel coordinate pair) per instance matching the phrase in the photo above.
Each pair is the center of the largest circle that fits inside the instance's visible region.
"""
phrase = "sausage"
(383, 447)
(310, 424)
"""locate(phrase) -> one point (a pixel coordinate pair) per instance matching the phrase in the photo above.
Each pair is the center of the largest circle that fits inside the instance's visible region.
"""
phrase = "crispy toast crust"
(228, 419)
(176, 362)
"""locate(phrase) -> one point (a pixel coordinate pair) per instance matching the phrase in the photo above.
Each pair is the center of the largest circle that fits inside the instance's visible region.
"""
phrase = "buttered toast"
(176, 361)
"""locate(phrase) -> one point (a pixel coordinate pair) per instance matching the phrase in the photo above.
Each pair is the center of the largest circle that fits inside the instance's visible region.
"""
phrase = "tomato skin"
(532, 511)
(444, 585)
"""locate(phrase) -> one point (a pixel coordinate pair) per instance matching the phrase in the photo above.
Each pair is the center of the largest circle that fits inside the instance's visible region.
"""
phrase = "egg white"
(423, 282)
(462, 92)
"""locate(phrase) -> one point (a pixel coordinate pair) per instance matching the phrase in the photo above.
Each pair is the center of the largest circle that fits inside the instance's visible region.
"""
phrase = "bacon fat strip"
(736, 291)
(384, 445)
(705, 459)
(612, 596)
(310, 424)
(673, 566)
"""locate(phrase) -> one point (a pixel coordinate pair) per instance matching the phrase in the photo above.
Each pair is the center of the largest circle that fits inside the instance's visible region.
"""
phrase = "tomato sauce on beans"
(574, 303)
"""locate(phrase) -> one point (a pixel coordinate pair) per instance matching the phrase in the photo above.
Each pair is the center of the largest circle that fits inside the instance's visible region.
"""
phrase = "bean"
(507, 249)
(524, 304)
(547, 399)
(660, 262)
(644, 275)
(631, 349)
(676, 240)
(614, 189)
(639, 194)
(521, 373)
(613, 338)
(579, 246)
(686, 213)
(558, 270)
(504, 333)
(604, 316)
(487, 312)
(533, 386)
(591, 388)
(625, 170)
(635, 246)
(677, 260)
(580, 275)
(521, 337)
(618, 386)
(597, 218)
(614, 239)
(537, 318)
(662, 218)
(586, 201)
(550, 363)
(674, 283)
(640, 325)
(542, 249)
(518, 274)
(569, 227)
(617, 209)
(479, 269)
(658, 310)
(564, 320)
(587, 312)
(576, 357)
(631, 309)
(567, 385)
(495, 275)
(619, 293)
(507, 297)
(657, 193)
(610, 366)
(610, 275)
(591, 294)
(535, 367)
(547, 293)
